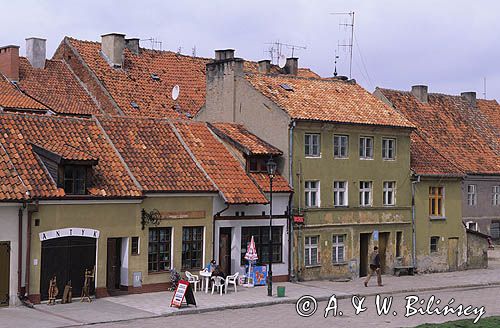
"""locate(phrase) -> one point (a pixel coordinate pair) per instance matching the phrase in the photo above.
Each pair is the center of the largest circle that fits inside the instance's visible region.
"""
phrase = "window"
(312, 193)
(340, 193)
(312, 145)
(436, 207)
(311, 257)
(472, 225)
(365, 193)
(366, 147)
(134, 247)
(159, 257)
(495, 199)
(74, 179)
(261, 239)
(388, 148)
(434, 244)
(192, 247)
(399, 237)
(257, 164)
(471, 195)
(340, 146)
(389, 193)
(338, 249)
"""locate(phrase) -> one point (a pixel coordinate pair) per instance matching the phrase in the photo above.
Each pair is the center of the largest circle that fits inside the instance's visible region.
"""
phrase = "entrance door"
(383, 239)
(364, 241)
(113, 264)
(4, 273)
(453, 253)
(225, 250)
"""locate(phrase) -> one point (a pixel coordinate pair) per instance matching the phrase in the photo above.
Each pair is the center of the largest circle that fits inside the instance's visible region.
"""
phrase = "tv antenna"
(335, 69)
(350, 43)
(276, 51)
(155, 44)
(484, 88)
(193, 51)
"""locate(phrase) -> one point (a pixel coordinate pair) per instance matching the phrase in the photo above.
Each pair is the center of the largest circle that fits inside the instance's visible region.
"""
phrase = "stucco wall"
(484, 211)
(477, 252)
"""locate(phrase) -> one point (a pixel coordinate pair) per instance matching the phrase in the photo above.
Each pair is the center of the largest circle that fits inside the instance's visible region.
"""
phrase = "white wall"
(124, 260)
(280, 204)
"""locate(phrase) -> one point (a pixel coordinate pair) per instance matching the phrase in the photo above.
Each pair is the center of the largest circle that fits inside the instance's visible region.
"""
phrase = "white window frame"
(471, 225)
(472, 195)
(312, 137)
(363, 189)
(340, 146)
(366, 152)
(389, 201)
(336, 246)
(495, 197)
(386, 149)
(309, 248)
(308, 190)
(336, 194)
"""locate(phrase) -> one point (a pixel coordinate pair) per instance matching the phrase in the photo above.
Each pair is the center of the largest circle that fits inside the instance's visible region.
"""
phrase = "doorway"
(383, 239)
(453, 253)
(225, 250)
(4, 273)
(113, 264)
(364, 241)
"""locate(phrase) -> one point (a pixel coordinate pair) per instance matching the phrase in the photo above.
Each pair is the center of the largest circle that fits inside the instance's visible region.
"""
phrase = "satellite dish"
(281, 61)
(175, 92)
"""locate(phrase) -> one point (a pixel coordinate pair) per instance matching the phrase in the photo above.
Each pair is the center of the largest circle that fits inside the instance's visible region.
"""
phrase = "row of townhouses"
(132, 162)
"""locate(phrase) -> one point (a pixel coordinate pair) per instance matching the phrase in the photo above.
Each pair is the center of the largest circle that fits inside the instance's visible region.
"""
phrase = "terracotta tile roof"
(154, 154)
(55, 86)
(12, 98)
(243, 139)
(11, 186)
(67, 151)
(491, 109)
(327, 100)
(18, 133)
(134, 83)
(226, 172)
(253, 67)
(279, 182)
(458, 131)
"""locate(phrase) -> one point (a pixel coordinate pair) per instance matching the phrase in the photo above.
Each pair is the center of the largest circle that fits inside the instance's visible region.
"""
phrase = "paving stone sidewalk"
(158, 304)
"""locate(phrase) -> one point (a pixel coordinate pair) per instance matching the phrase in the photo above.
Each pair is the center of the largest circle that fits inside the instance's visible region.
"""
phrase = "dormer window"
(256, 164)
(75, 179)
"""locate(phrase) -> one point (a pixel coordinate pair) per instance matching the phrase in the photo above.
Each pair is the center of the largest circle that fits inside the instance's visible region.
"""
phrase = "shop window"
(192, 248)
(261, 239)
(159, 248)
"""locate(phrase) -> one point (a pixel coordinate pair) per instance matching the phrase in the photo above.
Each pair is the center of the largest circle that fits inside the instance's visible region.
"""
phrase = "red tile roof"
(491, 109)
(279, 182)
(226, 172)
(12, 98)
(454, 128)
(67, 151)
(11, 185)
(326, 100)
(244, 140)
(18, 132)
(253, 67)
(55, 86)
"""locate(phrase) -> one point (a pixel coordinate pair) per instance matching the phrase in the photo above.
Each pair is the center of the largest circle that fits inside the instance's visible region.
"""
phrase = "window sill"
(340, 264)
(437, 218)
(389, 159)
(366, 158)
(313, 266)
(340, 157)
(313, 157)
(158, 272)
(341, 206)
(389, 205)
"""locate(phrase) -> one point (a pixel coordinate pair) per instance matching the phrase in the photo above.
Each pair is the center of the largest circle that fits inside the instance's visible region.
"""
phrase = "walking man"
(374, 267)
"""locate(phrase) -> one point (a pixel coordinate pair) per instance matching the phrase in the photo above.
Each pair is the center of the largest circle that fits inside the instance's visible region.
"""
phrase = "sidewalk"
(158, 304)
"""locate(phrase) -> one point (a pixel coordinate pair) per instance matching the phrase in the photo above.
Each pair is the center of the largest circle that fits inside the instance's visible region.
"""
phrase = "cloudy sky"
(450, 45)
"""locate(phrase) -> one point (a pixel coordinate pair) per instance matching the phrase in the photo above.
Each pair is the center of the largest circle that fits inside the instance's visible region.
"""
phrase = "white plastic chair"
(218, 282)
(193, 279)
(232, 279)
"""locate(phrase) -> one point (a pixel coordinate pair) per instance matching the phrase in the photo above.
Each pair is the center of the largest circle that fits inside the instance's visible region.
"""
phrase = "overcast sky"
(449, 45)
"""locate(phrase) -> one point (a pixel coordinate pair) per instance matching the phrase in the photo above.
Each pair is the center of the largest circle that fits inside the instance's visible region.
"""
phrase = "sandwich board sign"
(183, 291)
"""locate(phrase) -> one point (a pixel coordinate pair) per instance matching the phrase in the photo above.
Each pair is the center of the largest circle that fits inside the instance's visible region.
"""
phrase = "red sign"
(298, 219)
(179, 293)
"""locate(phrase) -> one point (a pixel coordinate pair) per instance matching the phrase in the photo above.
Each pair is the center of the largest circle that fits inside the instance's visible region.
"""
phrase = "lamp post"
(271, 171)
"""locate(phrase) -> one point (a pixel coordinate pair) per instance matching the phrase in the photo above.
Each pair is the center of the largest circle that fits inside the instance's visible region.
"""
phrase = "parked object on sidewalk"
(53, 291)
(218, 283)
(409, 270)
(193, 279)
(183, 292)
(205, 274)
(250, 256)
(281, 291)
(67, 294)
(232, 279)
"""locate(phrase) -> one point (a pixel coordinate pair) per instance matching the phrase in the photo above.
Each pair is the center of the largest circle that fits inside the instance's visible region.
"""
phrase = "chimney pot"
(470, 96)
(292, 66)
(420, 92)
(132, 44)
(9, 62)
(36, 52)
(224, 54)
(112, 46)
(264, 66)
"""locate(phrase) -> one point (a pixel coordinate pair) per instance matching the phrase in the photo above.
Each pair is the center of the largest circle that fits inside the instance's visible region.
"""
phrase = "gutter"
(28, 251)
(414, 238)
(290, 201)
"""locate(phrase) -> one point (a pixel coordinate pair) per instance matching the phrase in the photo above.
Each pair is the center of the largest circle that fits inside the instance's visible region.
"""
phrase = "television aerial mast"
(350, 43)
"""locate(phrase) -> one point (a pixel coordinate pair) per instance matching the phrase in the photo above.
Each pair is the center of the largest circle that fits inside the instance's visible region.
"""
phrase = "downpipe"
(414, 236)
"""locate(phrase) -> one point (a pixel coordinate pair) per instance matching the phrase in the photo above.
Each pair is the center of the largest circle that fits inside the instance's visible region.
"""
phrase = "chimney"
(264, 66)
(470, 97)
(35, 52)
(224, 54)
(132, 45)
(420, 92)
(9, 62)
(292, 66)
(112, 46)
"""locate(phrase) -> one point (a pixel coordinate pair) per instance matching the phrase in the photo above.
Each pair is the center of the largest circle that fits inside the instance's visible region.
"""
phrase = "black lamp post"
(271, 171)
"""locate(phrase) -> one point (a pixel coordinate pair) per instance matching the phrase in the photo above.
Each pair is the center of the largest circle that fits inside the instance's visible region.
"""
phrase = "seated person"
(218, 272)
(211, 266)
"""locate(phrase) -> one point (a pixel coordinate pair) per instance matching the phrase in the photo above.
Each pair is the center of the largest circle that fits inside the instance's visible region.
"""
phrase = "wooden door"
(383, 239)
(364, 240)
(225, 250)
(113, 264)
(4, 273)
(453, 254)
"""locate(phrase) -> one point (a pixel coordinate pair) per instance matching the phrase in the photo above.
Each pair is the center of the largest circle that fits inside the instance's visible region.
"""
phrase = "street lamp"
(271, 171)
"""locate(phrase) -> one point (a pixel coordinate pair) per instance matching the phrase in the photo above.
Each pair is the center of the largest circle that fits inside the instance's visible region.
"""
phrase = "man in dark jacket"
(374, 267)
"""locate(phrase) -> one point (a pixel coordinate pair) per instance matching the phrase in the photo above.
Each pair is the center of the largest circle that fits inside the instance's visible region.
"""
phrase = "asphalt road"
(402, 313)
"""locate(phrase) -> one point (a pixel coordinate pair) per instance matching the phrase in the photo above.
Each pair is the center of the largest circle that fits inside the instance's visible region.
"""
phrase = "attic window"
(155, 77)
(134, 105)
(287, 87)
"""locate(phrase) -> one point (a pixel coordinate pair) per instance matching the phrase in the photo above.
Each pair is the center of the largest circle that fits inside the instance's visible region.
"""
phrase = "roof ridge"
(320, 79)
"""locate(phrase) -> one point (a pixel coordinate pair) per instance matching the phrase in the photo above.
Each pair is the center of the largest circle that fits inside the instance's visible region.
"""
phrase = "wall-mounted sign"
(298, 219)
(182, 215)
(69, 232)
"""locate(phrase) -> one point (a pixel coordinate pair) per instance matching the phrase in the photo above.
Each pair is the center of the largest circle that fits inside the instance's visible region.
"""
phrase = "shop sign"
(69, 232)
(182, 215)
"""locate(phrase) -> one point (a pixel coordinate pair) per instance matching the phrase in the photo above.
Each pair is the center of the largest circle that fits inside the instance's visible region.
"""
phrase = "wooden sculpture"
(68, 293)
(89, 277)
(53, 291)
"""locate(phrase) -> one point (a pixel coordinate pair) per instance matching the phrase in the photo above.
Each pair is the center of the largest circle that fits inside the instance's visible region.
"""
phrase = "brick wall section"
(9, 62)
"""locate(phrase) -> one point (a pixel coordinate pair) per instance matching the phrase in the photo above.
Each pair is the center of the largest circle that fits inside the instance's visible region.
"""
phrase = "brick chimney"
(112, 46)
(420, 92)
(292, 66)
(132, 44)
(36, 52)
(9, 62)
(470, 96)
(264, 66)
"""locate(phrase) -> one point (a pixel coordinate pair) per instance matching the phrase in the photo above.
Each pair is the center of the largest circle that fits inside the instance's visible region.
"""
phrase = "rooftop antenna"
(335, 70)
(348, 44)
(276, 50)
(179, 50)
(484, 88)
(193, 51)
(155, 44)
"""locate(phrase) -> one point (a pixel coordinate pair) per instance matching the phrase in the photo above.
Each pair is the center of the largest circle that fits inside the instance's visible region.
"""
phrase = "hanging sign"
(69, 232)
(182, 291)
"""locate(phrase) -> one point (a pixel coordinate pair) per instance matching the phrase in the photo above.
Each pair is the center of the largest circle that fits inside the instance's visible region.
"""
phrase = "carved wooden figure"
(53, 291)
(68, 293)
(89, 277)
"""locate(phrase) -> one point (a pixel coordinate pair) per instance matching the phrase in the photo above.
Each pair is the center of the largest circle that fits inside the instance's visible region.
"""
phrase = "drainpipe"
(20, 250)
(28, 249)
(414, 238)
(213, 228)
(290, 201)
